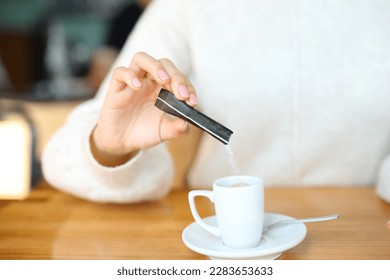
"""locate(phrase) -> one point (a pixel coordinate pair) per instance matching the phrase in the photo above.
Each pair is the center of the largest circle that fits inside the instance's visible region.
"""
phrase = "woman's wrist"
(105, 157)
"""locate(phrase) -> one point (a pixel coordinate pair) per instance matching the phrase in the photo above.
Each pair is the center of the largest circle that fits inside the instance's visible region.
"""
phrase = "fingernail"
(136, 82)
(183, 91)
(193, 99)
(163, 75)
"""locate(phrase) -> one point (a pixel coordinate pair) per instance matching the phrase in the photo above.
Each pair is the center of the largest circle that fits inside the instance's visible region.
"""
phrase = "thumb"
(173, 127)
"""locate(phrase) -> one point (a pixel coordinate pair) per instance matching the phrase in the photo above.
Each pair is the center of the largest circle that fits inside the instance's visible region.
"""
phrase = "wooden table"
(54, 225)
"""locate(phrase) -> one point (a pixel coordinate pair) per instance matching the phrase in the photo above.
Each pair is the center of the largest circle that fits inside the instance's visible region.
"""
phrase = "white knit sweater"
(304, 85)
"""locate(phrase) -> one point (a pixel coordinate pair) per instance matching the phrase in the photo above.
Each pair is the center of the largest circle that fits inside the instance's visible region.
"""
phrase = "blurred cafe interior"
(45, 52)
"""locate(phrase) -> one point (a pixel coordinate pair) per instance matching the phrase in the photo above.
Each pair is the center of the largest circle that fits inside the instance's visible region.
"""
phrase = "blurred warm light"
(15, 158)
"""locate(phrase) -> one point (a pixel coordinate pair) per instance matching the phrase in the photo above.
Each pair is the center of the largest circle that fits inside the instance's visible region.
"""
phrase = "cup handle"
(191, 198)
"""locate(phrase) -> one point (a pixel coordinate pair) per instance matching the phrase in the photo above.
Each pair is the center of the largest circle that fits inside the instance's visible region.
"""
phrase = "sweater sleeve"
(68, 165)
(383, 184)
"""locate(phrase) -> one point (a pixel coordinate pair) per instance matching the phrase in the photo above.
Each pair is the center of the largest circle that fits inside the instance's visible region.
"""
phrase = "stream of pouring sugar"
(234, 167)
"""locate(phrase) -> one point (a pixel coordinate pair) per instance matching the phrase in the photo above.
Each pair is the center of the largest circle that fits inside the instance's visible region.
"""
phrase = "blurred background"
(53, 55)
(49, 39)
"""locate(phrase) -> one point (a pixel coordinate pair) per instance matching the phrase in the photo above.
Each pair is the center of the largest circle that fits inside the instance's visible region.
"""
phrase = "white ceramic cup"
(239, 210)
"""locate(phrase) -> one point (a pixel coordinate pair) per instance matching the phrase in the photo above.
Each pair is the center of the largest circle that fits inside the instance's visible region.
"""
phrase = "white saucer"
(273, 242)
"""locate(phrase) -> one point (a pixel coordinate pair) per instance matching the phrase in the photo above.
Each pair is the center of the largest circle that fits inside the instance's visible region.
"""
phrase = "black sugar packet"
(167, 102)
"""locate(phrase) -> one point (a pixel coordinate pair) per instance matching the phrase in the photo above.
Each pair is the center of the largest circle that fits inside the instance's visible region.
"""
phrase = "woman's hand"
(129, 121)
